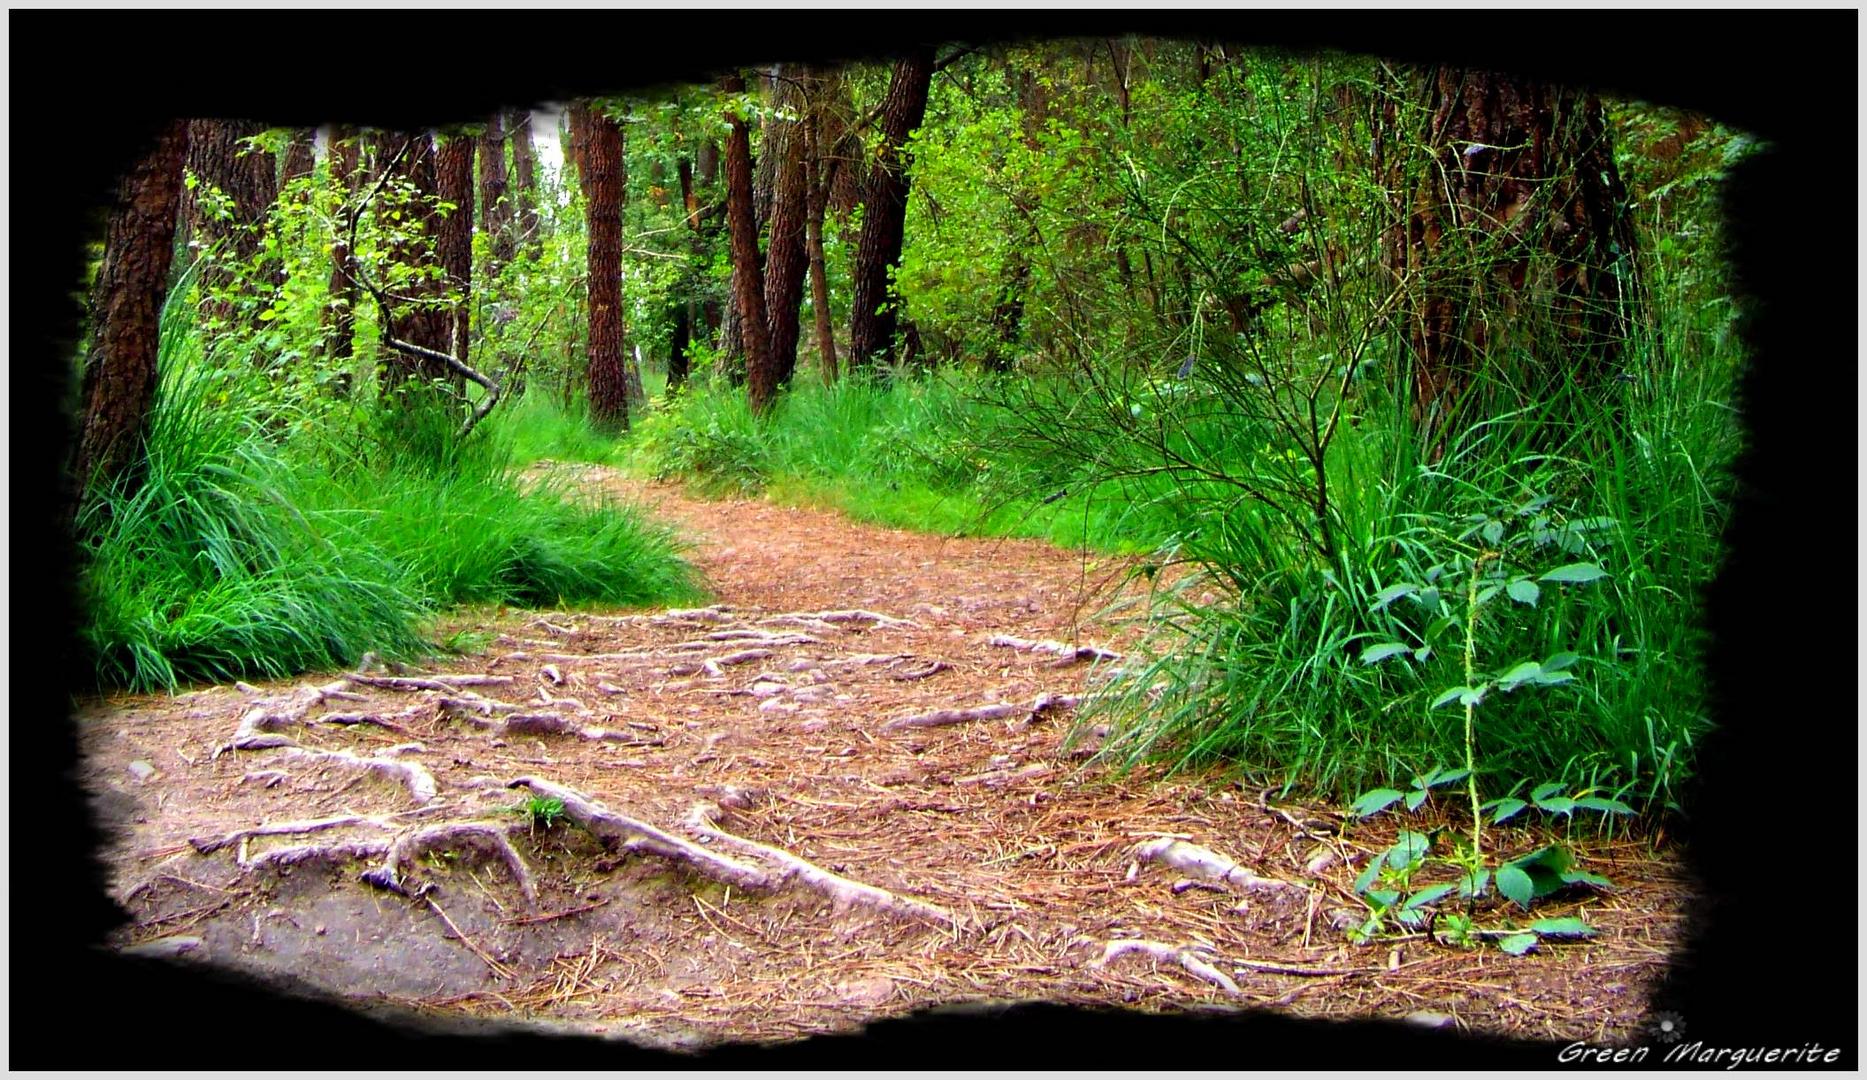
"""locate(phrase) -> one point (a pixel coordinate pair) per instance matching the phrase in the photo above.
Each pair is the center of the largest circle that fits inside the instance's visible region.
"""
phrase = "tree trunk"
(524, 175)
(496, 216)
(341, 305)
(765, 161)
(424, 322)
(748, 283)
(453, 242)
(884, 209)
(235, 230)
(1517, 236)
(126, 316)
(785, 257)
(599, 146)
(300, 157)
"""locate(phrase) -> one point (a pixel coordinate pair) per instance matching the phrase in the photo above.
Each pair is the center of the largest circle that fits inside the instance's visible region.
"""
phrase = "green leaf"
(1552, 678)
(1524, 591)
(1564, 927)
(1409, 849)
(1422, 653)
(1518, 944)
(1560, 661)
(1415, 798)
(1583, 877)
(1493, 531)
(1576, 574)
(1507, 809)
(1485, 595)
(1473, 882)
(1556, 804)
(1450, 777)
(1544, 791)
(1427, 896)
(1606, 806)
(1516, 885)
(1375, 801)
(1366, 878)
(1383, 897)
(1374, 654)
(1508, 681)
(1450, 695)
(1392, 593)
(1473, 695)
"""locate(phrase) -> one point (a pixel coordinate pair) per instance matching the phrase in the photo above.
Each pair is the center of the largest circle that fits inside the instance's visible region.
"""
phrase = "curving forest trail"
(843, 791)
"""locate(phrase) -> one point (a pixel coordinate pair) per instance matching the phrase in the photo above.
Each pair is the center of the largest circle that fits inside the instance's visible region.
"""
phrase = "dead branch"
(842, 891)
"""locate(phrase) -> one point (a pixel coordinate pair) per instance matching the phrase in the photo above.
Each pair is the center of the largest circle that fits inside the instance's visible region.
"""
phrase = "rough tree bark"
(453, 241)
(340, 310)
(219, 159)
(524, 175)
(884, 209)
(496, 216)
(418, 320)
(748, 283)
(300, 157)
(126, 311)
(785, 257)
(1517, 233)
(817, 175)
(599, 145)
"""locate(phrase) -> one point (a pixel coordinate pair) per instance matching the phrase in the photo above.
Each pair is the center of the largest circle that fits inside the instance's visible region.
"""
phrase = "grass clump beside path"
(258, 543)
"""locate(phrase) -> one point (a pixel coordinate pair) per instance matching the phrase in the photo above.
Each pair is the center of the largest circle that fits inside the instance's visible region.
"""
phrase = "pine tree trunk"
(300, 157)
(341, 304)
(496, 216)
(453, 242)
(598, 145)
(818, 171)
(524, 175)
(126, 312)
(785, 257)
(1517, 241)
(234, 287)
(884, 209)
(425, 322)
(748, 279)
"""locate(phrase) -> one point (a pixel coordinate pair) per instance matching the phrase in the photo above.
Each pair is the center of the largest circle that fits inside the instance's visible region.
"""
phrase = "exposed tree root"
(337, 852)
(712, 665)
(268, 715)
(467, 702)
(557, 724)
(842, 891)
(1070, 654)
(209, 845)
(446, 684)
(684, 617)
(1003, 710)
(867, 620)
(452, 836)
(1204, 864)
(418, 780)
(633, 835)
(1164, 953)
(354, 719)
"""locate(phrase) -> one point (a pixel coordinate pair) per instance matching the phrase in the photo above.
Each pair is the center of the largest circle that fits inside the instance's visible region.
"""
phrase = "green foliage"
(245, 553)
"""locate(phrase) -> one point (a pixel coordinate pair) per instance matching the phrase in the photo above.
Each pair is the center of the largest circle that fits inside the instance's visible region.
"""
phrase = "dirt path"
(843, 703)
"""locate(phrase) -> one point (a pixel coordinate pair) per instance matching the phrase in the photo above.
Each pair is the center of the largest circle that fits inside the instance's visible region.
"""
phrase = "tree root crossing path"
(854, 785)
